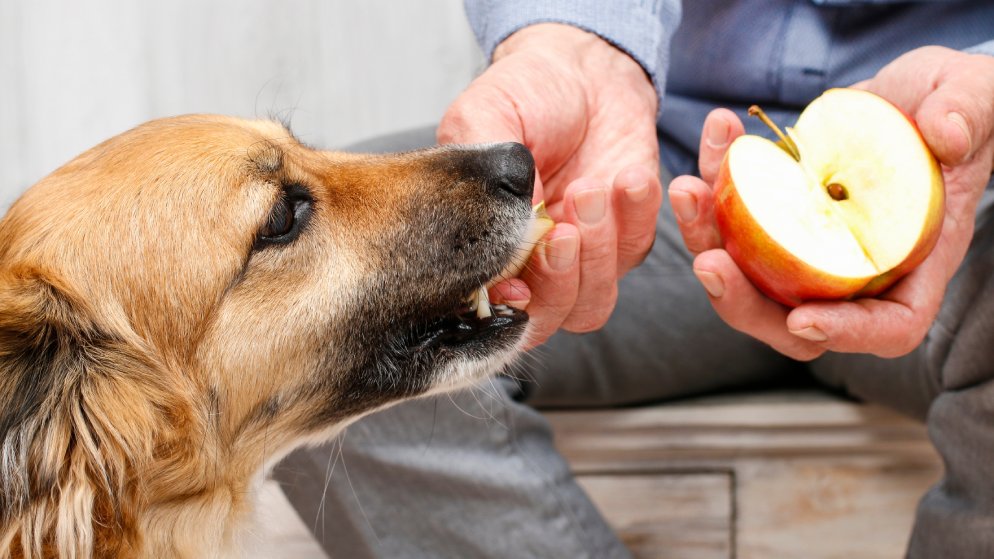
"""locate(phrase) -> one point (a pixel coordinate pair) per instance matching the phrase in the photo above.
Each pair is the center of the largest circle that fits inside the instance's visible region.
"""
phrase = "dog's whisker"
(358, 502)
(434, 420)
(337, 445)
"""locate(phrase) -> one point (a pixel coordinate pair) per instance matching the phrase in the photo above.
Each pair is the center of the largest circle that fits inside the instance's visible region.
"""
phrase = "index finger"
(747, 310)
(553, 275)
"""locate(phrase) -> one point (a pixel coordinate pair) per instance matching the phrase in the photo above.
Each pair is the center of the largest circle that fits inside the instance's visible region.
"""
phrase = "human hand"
(586, 110)
(950, 95)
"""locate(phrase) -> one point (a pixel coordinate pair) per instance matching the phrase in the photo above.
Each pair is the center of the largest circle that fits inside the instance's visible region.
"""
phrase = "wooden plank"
(674, 516)
(716, 432)
(817, 510)
(812, 476)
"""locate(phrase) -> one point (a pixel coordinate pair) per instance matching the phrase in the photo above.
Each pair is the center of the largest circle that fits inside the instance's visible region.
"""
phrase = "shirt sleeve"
(982, 48)
(641, 28)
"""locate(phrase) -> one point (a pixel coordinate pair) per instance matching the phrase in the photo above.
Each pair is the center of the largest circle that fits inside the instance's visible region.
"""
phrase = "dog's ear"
(72, 422)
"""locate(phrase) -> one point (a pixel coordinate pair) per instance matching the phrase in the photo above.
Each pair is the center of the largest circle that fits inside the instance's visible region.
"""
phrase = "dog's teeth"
(538, 226)
(482, 303)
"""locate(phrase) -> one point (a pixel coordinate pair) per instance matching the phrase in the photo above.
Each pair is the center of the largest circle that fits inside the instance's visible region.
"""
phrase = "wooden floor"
(748, 477)
(767, 476)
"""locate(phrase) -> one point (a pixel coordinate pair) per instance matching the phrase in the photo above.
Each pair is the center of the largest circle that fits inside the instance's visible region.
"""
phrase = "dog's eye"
(286, 218)
(280, 220)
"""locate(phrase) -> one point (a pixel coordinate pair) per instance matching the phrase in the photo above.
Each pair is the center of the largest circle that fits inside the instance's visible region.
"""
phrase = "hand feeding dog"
(187, 302)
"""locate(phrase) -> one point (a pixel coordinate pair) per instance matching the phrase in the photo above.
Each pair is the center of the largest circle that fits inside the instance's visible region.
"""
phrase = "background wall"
(73, 73)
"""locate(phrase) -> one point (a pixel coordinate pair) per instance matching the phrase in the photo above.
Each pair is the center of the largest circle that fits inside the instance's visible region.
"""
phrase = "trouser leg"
(949, 382)
(956, 516)
(472, 474)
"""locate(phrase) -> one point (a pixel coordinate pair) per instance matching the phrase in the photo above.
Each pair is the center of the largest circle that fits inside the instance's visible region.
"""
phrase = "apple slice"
(538, 226)
(848, 201)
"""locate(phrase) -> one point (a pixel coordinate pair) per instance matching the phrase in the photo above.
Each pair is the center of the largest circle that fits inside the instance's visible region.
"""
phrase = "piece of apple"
(539, 225)
(850, 200)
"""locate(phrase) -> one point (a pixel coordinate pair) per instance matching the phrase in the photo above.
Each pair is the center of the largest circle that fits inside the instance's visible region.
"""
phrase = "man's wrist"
(598, 60)
(554, 36)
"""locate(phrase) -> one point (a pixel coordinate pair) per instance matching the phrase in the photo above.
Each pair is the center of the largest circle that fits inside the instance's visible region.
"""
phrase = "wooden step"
(764, 476)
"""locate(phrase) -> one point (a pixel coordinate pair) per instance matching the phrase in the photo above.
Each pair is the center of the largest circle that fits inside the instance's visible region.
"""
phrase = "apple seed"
(837, 191)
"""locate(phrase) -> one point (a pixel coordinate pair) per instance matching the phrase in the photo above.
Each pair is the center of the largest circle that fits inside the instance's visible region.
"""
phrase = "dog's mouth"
(474, 320)
(465, 328)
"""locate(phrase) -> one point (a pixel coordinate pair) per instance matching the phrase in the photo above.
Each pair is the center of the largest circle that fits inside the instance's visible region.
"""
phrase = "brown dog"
(185, 303)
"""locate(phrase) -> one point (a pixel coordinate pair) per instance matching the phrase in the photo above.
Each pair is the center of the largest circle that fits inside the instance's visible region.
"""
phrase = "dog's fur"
(160, 346)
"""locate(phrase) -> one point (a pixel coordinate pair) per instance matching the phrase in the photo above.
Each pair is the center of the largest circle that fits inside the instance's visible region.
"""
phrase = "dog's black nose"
(512, 168)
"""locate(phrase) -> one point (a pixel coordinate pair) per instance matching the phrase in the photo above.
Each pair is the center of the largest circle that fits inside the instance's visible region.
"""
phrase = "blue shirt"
(780, 54)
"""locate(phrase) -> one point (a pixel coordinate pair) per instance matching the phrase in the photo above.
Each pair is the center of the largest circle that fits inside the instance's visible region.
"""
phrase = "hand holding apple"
(951, 98)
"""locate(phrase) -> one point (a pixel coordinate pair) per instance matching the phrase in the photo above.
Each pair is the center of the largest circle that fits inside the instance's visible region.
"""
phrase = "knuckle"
(584, 325)
(591, 317)
(908, 344)
(806, 354)
(698, 243)
(799, 351)
(598, 253)
(536, 336)
(635, 249)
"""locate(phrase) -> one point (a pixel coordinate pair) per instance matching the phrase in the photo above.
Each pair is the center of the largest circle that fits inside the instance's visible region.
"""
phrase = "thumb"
(958, 116)
(482, 113)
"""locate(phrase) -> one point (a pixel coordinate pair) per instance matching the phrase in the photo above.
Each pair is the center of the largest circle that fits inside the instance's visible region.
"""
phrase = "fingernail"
(560, 253)
(711, 282)
(959, 121)
(811, 334)
(718, 134)
(591, 205)
(639, 193)
(684, 206)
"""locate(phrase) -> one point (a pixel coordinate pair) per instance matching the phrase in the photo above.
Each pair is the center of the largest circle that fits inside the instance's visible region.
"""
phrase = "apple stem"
(788, 145)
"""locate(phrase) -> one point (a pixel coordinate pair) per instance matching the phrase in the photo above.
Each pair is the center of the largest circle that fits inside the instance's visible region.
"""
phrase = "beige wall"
(74, 72)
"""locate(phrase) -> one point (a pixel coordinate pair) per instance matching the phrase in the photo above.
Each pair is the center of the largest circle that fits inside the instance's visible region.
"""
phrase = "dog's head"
(196, 295)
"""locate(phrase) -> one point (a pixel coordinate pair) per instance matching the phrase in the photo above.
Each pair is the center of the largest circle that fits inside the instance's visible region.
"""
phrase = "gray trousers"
(475, 473)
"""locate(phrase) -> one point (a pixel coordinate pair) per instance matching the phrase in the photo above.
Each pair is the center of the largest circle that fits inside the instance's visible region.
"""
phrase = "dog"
(185, 303)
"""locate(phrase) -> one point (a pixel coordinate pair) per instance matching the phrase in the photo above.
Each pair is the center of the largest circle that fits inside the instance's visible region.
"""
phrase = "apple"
(846, 203)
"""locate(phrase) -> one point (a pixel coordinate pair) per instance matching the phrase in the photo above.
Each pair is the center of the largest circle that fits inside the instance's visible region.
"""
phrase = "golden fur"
(158, 349)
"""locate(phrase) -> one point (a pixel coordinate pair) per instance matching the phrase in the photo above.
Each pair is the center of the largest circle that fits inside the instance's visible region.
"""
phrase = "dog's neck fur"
(205, 501)
(172, 498)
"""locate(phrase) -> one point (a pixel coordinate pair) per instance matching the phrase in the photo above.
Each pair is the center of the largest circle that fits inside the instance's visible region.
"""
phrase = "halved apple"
(848, 201)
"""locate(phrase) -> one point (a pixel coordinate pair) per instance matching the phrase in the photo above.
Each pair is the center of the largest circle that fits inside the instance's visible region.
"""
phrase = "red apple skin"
(771, 268)
(790, 281)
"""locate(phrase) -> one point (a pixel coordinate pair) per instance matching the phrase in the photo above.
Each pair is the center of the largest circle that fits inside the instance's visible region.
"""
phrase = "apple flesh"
(848, 203)
(538, 226)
